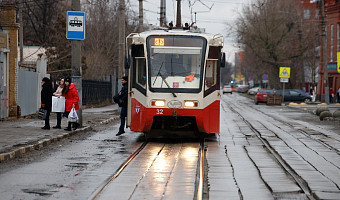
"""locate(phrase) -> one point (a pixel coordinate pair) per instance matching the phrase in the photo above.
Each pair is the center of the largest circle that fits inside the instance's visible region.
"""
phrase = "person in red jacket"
(72, 99)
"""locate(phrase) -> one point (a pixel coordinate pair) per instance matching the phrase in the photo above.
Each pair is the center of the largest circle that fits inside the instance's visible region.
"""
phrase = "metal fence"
(96, 92)
(28, 91)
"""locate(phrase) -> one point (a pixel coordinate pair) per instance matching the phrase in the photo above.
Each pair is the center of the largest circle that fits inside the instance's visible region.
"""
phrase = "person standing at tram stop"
(72, 98)
(122, 101)
(58, 93)
(46, 100)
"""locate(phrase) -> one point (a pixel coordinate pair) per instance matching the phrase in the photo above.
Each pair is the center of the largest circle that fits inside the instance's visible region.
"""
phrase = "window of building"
(316, 14)
(306, 14)
(331, 56)
(337, 38)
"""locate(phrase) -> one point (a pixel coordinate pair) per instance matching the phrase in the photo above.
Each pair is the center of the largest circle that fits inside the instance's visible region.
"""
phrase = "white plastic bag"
(72, 117)
(58, 104)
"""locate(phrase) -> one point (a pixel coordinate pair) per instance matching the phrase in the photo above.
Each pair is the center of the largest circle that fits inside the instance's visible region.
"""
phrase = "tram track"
(199, 183)
(119, 170)
(285, 166)
(304, 132)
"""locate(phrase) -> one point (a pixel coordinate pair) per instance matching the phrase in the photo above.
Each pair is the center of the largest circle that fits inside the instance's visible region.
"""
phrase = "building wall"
(8, 22)
(332, 18)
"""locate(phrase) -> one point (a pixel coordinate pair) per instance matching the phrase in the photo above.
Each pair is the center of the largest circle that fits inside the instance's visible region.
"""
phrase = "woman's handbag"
(42, 114)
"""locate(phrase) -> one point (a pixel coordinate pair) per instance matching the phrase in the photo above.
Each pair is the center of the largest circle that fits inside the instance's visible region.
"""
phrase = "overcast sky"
(214, 20)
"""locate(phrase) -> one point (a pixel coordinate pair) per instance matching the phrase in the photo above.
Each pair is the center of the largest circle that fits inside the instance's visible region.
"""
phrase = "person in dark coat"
(46, 100)
(122, 101)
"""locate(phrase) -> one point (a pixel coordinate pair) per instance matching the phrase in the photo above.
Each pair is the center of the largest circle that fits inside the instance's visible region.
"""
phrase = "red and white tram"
(174, 80)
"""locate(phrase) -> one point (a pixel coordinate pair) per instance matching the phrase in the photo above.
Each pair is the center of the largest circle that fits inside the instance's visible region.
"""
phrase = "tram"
(174, 80)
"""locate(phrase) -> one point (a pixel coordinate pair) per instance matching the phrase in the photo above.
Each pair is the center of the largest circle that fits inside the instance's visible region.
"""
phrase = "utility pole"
(76, 64)
(140, 28)
(121, 40)
(21, 34)
(324, 51)
(162, 18)
(179, 17)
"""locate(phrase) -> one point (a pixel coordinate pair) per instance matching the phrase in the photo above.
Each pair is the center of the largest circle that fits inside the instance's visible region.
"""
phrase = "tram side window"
(212, 71)
(141, 72)
(210, 74)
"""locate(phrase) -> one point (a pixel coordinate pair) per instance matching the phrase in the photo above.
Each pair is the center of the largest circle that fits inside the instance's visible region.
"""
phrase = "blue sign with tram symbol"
(75, 27)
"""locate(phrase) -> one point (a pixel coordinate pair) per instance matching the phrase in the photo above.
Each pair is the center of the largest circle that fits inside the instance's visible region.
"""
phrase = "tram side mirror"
(223, 62)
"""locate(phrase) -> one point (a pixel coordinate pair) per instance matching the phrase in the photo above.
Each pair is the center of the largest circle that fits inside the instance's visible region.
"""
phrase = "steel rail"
(300, 181)
(199, 194)
(120, 169)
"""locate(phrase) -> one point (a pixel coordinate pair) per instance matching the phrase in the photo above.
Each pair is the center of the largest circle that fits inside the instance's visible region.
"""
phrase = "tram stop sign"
(75, 27)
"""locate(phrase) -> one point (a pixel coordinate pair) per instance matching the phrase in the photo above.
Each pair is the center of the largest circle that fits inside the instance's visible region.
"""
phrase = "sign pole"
(324, 52)
(284, 77)
(76, 65)
(283, 93)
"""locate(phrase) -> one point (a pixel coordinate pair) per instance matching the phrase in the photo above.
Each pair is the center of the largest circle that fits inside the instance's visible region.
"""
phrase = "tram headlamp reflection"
(190, 104)
(158, 103)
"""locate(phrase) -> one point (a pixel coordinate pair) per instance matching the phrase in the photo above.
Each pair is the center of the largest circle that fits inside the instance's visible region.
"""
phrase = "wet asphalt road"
(263, 152)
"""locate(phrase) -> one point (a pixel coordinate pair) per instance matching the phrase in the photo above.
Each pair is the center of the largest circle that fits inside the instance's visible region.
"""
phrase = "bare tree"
(39, 17)
(101, 45)
(274, 34)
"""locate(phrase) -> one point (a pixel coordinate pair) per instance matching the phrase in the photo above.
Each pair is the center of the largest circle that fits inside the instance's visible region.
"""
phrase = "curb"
(45, 142)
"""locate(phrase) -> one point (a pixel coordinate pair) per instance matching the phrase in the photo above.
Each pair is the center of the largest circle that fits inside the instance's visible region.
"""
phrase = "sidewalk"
(312, 107)
(22, 135)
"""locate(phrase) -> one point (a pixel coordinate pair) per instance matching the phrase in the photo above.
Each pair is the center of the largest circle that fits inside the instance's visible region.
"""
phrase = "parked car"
(253, 90)
(242, 88)
(295, 95)
(227, 89)
(233, 87)
(261, 95)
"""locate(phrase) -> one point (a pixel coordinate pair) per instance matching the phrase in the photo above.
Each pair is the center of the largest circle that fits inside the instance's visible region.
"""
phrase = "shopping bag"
(42, 114)
(58, 104)
(72, 117)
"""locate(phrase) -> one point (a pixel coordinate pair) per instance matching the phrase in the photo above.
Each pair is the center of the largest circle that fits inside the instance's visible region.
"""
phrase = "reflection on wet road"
(160, 171)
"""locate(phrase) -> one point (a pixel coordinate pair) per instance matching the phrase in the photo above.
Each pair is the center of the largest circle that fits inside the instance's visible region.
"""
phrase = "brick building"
(332, 18)
(9, 26)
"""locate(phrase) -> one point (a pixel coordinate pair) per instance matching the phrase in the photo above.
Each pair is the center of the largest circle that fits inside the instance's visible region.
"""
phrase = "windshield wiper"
(167, 84)
(163, 80)
(159, 72)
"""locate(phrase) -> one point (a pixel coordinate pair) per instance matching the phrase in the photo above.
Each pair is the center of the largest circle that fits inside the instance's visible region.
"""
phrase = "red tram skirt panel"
(207, 119)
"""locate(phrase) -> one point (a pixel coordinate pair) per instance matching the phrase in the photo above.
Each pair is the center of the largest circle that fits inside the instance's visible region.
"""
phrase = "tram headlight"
(190, 104)
(158, 102)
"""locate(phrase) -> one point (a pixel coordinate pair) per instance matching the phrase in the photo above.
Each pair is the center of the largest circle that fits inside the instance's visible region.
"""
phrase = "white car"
(227, 89)
(253, 91)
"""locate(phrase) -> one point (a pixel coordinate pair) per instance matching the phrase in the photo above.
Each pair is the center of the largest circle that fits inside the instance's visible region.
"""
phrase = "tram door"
(137, 84)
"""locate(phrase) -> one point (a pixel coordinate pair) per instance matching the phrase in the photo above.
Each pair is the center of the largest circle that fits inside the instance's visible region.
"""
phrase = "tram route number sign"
(75, 27)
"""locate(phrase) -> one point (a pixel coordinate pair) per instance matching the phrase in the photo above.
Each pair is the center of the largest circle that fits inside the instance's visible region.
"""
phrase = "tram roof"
(177, 32)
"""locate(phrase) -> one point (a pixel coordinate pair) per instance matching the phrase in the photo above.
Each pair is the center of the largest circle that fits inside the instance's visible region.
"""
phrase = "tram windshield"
(176, 63)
